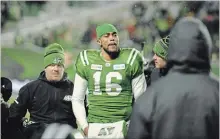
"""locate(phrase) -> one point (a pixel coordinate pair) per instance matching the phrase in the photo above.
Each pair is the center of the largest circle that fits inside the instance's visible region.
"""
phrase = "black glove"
(148, 68)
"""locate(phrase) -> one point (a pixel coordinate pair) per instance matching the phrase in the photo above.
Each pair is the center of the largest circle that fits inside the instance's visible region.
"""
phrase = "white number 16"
(108, 84)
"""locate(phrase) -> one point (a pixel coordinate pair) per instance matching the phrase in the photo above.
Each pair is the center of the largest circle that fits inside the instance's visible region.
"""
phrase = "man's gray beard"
(113, 55)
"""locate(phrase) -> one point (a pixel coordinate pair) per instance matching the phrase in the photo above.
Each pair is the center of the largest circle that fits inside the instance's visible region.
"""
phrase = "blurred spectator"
(15, 11)
(163, 22)
(191, 8)
(145, 26)
(136, 34)
(4, 13)
(211, 20)
(194, 7)
(137, 31)
(138, 10)
(35, 6)
(69, 62)
(89, 34)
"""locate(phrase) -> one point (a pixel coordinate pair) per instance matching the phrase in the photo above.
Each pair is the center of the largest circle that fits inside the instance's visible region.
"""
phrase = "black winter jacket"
(185, 103)
(47, 102)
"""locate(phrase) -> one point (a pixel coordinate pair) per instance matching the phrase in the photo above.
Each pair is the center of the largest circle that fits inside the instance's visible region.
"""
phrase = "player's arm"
(139, 86)
(79, 92)
(78, 97)
(138, 78)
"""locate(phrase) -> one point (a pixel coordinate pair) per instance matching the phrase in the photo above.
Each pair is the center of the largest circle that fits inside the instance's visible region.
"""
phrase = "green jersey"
(109, 83)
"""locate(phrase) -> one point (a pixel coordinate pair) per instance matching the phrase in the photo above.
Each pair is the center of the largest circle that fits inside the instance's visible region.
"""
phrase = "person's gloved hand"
(25, 121)
(148, 66)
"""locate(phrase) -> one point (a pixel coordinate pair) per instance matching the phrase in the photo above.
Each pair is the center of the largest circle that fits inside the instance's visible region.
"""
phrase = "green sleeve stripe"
(86, 59)
(134, 57)
(129, 58)
(82, 59)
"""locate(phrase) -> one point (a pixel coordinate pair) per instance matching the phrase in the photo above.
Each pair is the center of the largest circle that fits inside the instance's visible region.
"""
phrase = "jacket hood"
(190, 46)
(42, 76)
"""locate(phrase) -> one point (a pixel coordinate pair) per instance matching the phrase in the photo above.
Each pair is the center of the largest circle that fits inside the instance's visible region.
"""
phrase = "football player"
(114, 78)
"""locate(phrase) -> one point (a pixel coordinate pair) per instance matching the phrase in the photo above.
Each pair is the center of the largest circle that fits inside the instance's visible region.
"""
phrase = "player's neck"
(105, 56)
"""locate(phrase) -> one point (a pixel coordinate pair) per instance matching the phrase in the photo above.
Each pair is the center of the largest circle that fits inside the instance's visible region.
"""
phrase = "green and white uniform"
(110, 85)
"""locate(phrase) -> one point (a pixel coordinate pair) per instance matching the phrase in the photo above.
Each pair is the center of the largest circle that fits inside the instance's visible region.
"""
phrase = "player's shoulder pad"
(85, 56)
(133, 56)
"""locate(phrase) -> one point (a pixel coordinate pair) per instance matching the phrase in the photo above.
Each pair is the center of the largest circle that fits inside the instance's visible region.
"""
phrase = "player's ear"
(99, 41)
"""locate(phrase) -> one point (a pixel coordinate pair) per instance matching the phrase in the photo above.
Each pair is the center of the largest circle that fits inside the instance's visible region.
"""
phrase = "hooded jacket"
(185, 103)
(47, 102)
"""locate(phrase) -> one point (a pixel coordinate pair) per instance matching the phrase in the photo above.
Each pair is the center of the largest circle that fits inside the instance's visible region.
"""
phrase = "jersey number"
(109, 85)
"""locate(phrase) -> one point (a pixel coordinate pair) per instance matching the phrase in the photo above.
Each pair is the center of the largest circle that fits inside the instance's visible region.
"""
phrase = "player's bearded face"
(109, 42)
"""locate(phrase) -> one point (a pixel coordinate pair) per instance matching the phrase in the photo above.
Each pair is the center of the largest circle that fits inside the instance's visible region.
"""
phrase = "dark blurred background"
(27, 27)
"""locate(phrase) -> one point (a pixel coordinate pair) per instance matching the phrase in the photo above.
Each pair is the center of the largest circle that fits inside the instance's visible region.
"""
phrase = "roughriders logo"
(106, 131)
(67, 98)
(57, 60)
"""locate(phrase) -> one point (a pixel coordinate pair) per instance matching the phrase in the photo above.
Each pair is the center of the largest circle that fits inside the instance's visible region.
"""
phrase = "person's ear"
(99, 42)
